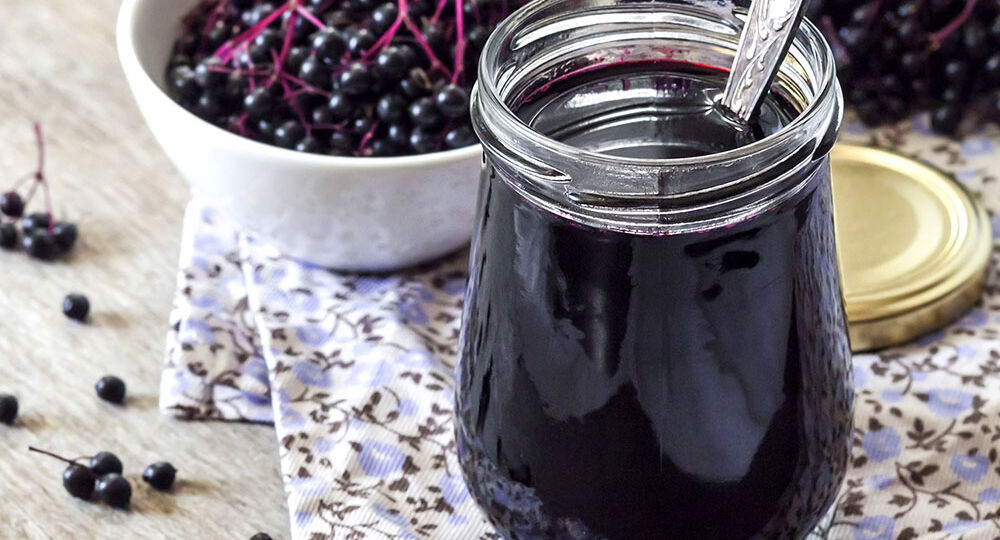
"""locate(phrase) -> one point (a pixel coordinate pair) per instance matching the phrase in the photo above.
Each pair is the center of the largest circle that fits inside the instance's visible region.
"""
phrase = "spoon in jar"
(767, 34)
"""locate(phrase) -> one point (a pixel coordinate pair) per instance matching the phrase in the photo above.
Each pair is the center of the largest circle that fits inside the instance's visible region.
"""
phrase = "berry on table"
(8, 236)
(111, 388)
(35, 222)
(11, 204)
(79, 481)
(104, 463)
(160, 475)
(261, 536)
(114, 490)
(76, 307)
(64, 234)
(8, 408)
(38, 244)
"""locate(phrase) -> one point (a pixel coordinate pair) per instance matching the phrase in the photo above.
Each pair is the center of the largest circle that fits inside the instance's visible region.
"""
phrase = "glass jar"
(654, 342)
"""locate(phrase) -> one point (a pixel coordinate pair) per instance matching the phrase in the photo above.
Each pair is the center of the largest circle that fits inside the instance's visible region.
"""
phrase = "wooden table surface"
(58, 65)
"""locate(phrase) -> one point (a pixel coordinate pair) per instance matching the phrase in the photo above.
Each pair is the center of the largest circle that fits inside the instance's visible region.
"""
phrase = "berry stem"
(937, 37)
(307, 15)
(226, 51)
(422, 41)
(438, 10)
(459, 43)
(50, 454)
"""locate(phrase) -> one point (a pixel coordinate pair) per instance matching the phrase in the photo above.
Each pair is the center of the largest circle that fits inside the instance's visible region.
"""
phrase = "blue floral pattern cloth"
(355, 373)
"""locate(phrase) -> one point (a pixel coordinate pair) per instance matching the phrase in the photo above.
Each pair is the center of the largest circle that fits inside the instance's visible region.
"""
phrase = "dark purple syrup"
(632, 387)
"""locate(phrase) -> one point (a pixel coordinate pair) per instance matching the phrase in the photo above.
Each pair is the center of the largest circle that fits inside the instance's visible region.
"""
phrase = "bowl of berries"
(337, 130)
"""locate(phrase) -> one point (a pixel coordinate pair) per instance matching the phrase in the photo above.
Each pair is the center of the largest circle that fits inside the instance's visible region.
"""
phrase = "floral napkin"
(355, 373)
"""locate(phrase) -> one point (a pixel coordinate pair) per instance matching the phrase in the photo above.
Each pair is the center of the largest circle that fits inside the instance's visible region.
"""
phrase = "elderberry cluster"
(339, 77)
(896, 57)
(38, 234)
(102, 476)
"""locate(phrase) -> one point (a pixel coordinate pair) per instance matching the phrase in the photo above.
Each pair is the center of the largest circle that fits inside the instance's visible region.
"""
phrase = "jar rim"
(487, 93)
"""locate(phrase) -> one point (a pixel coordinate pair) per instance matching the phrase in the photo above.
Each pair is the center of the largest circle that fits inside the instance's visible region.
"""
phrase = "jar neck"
(552, 39)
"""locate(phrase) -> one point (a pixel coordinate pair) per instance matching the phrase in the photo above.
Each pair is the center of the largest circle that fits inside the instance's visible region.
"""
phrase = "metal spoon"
(769, 29)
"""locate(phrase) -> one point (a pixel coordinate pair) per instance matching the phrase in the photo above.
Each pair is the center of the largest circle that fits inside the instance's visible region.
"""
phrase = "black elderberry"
(309, 144)
(391, 107)
(76, 307)
(341, 144)
(398, 134)
(452, 101)
(946, 119)
(340, 106)
(423, 141)
(8, 409)
(360, 42)
(289, 133)
(111, 388)
(258, 103)
(424, 113)
(356, 79)
(38, 220)
(392, 63)
(114, 490)
(11, 204)
(183, 83)
(105, 463)
(460, 137)
(315, 73)
(38, 244)
(267, 41)
(360, 125)
(383, 17)
(210, 73)
(382, 148)
(8, 236)
(329, 45)
(79, 481)
(261, 536)
(160, 475)
(416, 83)
(294, 59)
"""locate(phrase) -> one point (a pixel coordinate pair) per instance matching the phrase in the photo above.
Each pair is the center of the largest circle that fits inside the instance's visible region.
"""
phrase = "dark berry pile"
(340, 77)
(103, 477)
(39, 235)
(896, 57)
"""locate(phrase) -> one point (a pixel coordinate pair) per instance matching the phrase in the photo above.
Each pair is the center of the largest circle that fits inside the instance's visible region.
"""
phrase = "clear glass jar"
(652, 347)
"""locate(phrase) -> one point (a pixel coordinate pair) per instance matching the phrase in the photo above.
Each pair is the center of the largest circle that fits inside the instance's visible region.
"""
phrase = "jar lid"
(914, 245)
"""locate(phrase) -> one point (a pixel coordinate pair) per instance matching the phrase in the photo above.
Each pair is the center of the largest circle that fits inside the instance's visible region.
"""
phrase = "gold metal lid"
(914, 245)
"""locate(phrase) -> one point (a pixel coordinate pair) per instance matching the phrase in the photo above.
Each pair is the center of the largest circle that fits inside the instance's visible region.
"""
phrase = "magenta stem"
(310, 17)
(40, 174)
(435, 63)
(438, 11)
(459, 42)
(937, 37)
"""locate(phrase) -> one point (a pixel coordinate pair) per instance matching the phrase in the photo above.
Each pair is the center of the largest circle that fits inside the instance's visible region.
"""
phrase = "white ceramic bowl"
(363, 214)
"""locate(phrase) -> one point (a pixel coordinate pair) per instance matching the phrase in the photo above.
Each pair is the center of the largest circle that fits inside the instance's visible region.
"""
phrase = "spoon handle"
(770, 27)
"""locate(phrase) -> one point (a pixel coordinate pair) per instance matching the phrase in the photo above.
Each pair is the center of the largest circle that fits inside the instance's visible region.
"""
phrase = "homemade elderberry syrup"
(641, 366)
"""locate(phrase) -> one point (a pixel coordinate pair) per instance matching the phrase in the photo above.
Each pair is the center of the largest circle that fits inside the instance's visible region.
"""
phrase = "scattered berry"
(114, 490)
(111, 388)
(35, 222)
(160, 475)
(8, 408)
(76, 307)
(8, 236)
(104, 463)
(11, 204)
(79, 481)
(39, 244)
(261, 536)
(64, 234)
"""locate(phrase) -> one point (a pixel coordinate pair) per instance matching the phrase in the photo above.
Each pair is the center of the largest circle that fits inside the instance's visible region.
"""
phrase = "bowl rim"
(129, 58)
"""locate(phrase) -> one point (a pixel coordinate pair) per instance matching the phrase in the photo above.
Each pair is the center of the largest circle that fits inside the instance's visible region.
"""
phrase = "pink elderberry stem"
(40, 143)
(31, 191)
(459, 43)
(226, 51)
(20, 181)
(279, 61)
(438, 11)
(307, 15)
(435, 63)
(367, 137)
(48, 205)
(936, 38)
(305, 85)
(385, 38)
